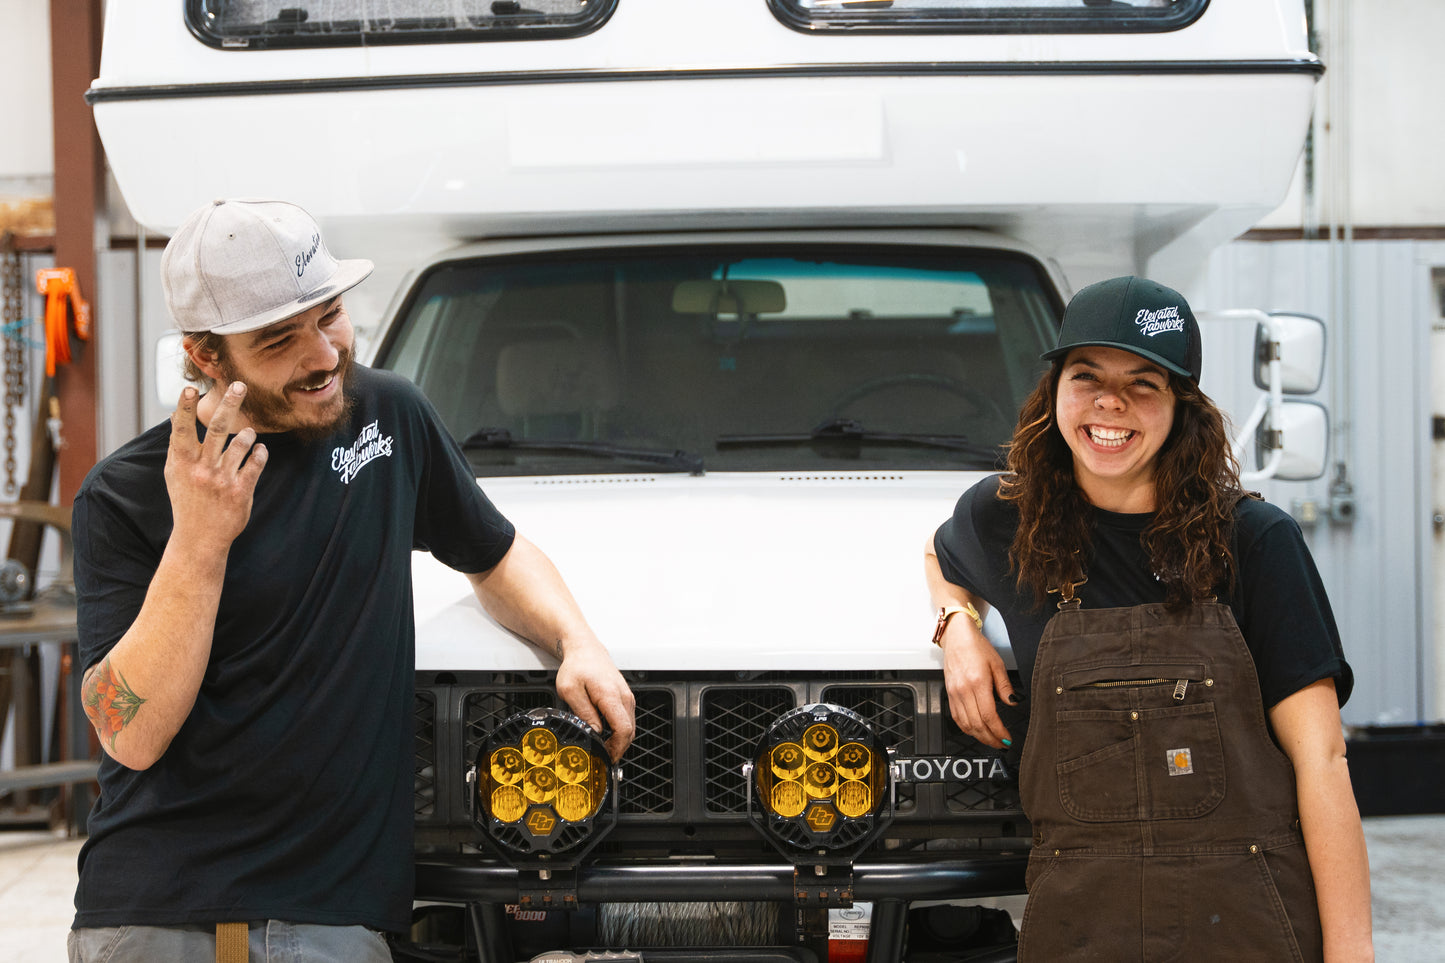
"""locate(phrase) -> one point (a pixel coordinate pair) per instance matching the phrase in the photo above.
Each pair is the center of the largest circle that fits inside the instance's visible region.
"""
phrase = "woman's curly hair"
(1196, 478)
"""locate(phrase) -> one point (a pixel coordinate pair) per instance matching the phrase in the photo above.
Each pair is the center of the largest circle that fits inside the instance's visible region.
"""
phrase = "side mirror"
(1301, 352)
(1295, 441)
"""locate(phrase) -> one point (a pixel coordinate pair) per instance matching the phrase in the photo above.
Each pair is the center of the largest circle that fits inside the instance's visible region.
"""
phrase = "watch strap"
(947, 612)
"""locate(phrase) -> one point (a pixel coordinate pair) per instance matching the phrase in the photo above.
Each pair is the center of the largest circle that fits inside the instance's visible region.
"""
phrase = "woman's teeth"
(1109, 437)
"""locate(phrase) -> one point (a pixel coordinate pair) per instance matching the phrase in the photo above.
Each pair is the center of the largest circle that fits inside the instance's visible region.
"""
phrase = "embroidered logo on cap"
(1157, 322)
(1181, 762)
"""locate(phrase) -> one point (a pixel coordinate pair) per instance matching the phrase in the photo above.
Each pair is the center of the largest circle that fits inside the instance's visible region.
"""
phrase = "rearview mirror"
(1295, 441)
(1301, 341)
(729, 297)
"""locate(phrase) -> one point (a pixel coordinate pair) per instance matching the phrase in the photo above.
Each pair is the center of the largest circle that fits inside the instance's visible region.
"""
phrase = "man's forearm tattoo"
(109, 702)
(559, 648)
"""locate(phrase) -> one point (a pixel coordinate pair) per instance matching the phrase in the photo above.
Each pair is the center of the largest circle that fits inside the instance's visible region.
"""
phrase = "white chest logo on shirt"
(369, 445)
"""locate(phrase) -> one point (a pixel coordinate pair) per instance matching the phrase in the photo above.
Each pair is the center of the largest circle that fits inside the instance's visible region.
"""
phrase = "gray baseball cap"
(238, 265)
(1136, 315)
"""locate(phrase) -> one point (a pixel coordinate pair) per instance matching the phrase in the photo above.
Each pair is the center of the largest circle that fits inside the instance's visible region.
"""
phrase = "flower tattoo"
(109, 702)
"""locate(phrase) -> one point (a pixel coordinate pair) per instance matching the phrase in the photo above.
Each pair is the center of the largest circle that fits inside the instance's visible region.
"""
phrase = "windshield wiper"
(847, 430)
(490, 439)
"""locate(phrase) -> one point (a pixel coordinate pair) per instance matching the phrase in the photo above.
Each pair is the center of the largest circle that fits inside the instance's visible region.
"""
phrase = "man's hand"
(525, 593)
(595, 691)
(209, 486)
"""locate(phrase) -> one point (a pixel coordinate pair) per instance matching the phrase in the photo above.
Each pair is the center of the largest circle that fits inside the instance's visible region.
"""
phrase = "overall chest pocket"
(1138, 742)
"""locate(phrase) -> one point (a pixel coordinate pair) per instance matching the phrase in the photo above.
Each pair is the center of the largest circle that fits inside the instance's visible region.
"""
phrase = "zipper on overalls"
(1180, 685)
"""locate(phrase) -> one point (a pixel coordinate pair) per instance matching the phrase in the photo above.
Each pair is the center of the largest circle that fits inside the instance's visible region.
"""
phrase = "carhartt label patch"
(1181, 762)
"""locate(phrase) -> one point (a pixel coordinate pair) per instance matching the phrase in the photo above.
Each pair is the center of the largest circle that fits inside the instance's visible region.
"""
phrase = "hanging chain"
(13, 304)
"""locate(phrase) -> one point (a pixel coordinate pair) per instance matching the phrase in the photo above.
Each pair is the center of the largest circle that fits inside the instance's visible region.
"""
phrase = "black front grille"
(733, 720)
(425, 769)
(977, 796)
(683, 787)
(647, 773)
(892, 712)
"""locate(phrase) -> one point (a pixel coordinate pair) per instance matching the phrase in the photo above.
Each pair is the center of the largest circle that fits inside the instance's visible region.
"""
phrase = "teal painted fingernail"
(1008, 742)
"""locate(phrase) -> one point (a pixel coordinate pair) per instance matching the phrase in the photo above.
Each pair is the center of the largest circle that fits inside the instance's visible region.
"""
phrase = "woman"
(1185, 767)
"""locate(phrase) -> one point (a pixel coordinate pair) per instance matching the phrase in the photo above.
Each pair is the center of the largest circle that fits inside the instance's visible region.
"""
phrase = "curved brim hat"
(239, 265)
(1136, 315)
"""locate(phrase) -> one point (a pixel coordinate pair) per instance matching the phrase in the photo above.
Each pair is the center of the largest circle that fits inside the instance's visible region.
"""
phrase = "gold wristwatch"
(949, 611)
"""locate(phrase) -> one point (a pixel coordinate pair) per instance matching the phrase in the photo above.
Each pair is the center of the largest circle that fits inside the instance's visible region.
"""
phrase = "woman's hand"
(973, 672)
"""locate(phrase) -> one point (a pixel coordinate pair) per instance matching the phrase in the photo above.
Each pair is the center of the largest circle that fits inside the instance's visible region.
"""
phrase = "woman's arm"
(972, 669)
(1307, 724)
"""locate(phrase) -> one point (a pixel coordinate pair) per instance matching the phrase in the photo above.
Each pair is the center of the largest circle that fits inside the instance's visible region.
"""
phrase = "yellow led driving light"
(539, 747)
(539, 784)
(574, 802)
(542, 780)
(789, 798)
(820, 742)
(573, 764)
(508, 803)
(788, 760)
(854, 798)
(853, 761)
(507, 766)
(820, 780)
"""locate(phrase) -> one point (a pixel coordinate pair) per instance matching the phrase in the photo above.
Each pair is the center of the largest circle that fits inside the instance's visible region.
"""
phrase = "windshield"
(718, 352)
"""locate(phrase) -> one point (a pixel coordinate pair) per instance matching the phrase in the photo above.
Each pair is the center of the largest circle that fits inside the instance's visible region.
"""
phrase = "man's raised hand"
(211, 483)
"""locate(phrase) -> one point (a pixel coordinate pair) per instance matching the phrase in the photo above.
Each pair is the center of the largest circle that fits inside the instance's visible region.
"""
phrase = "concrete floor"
(37, 885)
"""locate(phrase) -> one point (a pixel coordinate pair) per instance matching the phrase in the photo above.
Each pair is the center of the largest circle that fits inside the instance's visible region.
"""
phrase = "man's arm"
(1308, 726)
(525, 593)
(138, 696)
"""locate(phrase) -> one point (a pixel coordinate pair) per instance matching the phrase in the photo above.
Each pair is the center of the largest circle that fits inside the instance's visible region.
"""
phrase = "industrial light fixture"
(542, 785)
(823, 784)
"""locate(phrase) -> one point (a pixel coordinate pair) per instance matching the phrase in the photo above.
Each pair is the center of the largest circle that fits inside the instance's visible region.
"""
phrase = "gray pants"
(271, 941)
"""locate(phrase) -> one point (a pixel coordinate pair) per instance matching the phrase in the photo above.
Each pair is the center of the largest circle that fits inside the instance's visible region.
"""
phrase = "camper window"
(262, 24)
(988, 16)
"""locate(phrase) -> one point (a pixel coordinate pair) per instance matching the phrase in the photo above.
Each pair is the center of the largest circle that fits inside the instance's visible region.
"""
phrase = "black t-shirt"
(287, 792)
(1278, 598)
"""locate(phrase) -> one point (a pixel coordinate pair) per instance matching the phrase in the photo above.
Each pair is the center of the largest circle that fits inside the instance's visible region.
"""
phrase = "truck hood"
(728, 571)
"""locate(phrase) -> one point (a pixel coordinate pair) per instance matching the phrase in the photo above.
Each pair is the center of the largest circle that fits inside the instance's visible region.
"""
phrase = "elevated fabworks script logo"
(1157, 322)
(370, 445)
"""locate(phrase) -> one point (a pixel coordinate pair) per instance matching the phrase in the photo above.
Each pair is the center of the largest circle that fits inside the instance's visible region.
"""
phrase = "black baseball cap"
(1136, 315)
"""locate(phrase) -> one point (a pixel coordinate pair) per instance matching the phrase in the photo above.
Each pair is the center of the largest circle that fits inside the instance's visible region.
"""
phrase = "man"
(245, 617)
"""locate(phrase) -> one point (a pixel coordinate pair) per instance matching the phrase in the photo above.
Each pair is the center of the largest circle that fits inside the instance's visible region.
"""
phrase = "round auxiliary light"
(541, 779)
(821, 778)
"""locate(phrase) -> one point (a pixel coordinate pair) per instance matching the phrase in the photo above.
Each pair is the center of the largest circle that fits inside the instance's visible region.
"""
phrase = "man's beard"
(271, 412)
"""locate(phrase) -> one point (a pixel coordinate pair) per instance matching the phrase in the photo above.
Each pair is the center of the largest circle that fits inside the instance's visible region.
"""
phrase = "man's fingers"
(183, 420)
(251, 471)
(222, 418)
(622, 717)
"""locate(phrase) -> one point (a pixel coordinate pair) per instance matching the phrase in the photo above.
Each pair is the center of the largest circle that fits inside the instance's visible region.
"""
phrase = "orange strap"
(62, 296)
(232, 942)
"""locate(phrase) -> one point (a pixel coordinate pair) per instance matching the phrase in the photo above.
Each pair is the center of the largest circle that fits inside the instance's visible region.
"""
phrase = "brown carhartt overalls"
(1165, 820)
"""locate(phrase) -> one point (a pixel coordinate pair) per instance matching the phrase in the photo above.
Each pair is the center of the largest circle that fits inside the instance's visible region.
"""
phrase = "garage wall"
(1379, 569)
